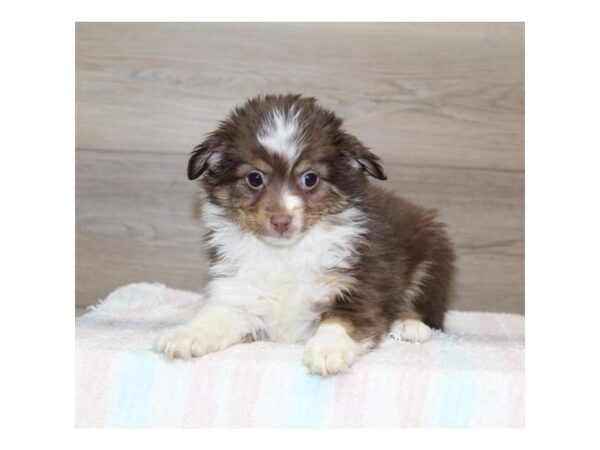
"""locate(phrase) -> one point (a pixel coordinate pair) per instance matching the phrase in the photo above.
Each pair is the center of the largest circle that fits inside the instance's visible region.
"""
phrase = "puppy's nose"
(281, 223)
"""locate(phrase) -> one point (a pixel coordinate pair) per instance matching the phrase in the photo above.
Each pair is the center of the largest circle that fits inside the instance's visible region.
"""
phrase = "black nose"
(281, 223)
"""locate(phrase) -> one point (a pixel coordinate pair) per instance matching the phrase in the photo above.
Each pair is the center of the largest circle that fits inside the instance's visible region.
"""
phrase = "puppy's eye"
(310, 180)
(255, 180)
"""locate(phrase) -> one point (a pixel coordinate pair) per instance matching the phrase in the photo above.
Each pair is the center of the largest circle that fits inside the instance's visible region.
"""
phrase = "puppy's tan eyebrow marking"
(305, 165)
(261, 165)
(302, 166)
(258, 164)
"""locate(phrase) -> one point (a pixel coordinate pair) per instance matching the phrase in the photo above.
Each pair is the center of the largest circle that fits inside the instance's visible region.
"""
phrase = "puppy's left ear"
(362, 156)
(371, 166)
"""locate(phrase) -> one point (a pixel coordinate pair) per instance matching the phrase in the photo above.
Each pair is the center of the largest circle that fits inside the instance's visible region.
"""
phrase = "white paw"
(183, 342)
(410, 330)
(330, 351)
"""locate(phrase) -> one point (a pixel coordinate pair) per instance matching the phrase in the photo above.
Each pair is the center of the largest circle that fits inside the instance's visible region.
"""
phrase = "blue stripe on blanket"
(457, 396)
(134, 379)
(306, 399)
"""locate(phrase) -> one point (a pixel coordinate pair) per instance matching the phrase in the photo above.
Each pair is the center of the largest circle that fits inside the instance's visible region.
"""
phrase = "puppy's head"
(279, 164)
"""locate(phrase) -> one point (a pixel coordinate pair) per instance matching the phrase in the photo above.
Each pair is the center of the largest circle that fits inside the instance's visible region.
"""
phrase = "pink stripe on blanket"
(93, 377)
(347, 407)
(207, 382)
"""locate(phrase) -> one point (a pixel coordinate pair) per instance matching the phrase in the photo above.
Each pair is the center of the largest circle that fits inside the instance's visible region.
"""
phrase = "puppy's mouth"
(282, 241)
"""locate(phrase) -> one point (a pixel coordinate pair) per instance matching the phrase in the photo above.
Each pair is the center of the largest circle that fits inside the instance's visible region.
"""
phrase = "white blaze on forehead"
(281, 133)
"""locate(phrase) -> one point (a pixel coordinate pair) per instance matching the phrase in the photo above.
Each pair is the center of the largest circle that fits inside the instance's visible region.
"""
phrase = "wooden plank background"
(441, 103)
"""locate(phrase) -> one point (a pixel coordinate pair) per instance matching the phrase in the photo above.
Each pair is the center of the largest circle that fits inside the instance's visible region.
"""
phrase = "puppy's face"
(279, 164)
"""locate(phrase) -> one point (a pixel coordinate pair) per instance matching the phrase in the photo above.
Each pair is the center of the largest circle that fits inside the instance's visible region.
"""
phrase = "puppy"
(303, 249)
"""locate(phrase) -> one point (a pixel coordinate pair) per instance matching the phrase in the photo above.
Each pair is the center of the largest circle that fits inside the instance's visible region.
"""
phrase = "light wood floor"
(441, 103)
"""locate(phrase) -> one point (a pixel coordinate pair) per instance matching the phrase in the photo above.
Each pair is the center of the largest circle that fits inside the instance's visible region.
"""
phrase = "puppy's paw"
(410, 330)
(330, 351)
(183, 342)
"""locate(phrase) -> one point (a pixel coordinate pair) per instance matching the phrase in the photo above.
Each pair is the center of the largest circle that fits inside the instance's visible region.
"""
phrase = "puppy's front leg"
(215, 328)
(332, 349)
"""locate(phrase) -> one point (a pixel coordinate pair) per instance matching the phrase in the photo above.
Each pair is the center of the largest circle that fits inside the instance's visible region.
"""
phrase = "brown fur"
(404, 264)
(401, 237)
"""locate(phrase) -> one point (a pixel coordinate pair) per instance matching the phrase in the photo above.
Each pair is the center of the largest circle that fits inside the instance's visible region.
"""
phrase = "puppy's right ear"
(199, 159)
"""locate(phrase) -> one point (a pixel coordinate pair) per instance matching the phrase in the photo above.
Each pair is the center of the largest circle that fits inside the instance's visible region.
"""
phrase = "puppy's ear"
(372, 167)
(362, 157)
(200, 158)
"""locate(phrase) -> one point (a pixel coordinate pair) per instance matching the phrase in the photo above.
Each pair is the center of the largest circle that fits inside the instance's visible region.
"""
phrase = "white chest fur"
(280, 289)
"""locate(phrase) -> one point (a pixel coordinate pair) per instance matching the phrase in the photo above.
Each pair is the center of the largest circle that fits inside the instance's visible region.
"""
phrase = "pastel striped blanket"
(472, 375)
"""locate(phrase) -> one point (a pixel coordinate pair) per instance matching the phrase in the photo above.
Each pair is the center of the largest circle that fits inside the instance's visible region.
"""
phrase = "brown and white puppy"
(303, 249)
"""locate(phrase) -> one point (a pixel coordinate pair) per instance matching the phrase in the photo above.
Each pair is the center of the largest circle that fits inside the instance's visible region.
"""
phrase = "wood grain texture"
(137, 221)
(417, 93)
(441, 103)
